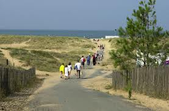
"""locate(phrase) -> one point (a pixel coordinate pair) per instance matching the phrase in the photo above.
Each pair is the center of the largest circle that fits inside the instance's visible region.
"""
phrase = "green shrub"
(109, 86)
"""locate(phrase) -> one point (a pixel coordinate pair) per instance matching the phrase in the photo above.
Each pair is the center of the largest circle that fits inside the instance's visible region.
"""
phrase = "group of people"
(66, 70)
(101, 47)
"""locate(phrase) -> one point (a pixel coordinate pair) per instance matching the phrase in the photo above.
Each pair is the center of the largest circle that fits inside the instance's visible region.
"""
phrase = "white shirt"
(66, 71)
(69, 67)
(78, 66)
(82, 59)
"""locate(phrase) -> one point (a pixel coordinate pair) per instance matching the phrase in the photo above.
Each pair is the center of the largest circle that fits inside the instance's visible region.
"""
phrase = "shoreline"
(61, 33)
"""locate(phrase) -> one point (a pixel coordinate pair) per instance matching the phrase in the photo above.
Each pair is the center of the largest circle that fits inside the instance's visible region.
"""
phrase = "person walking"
(69, 69)
(88, 59)
(62, 70)
(94, 60)
(78, 68)
(83, 60)
(66, 72)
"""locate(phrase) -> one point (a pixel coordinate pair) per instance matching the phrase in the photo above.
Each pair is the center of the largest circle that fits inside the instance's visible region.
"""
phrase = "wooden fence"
(152, 81)
(4, 62)
(12, 79)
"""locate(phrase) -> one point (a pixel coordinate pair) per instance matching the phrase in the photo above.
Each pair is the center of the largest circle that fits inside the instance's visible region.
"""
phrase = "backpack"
(84, 60)
(75, 68)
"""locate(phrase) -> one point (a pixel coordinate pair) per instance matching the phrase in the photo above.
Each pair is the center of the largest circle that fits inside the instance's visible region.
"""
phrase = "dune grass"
(9, 39)
(60, 43)
(113, 42)
(43, 60)
(2, 59)
(45, 42)
(47, 53)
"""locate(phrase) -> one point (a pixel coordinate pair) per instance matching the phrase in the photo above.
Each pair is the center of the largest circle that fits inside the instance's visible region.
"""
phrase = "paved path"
(69, 95)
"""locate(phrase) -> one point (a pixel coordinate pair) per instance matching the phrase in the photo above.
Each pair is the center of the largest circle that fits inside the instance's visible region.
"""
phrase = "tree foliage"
(142, 40)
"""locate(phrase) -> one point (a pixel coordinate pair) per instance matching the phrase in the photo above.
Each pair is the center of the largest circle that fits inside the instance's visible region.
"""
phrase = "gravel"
(18, 100)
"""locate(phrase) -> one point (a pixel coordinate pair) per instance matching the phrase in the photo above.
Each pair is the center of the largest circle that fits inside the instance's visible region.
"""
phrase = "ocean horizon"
(67, 33)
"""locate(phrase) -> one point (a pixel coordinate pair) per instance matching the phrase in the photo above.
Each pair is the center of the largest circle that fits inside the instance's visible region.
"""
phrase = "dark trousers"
(88, 62)
(78, 72)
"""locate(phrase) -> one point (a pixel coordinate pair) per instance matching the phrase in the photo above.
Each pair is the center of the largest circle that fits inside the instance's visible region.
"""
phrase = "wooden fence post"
(7, 62)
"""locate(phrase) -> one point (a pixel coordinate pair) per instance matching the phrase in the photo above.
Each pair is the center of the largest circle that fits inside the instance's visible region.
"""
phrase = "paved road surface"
(71, 96)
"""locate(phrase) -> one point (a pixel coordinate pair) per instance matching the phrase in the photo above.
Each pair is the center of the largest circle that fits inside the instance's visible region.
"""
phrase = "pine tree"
(144, 40)
(141, 40)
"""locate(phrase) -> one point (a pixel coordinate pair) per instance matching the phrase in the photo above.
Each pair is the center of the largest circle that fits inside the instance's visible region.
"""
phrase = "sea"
(65, 33)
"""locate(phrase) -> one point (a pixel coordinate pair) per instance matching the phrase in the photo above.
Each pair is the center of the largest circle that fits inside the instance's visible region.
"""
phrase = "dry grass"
(2, 59)
(46, 53)
(9, 39)
(45, 42)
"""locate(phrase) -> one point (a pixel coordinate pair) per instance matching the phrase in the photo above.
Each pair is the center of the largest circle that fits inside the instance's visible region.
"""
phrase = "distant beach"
(70, 33)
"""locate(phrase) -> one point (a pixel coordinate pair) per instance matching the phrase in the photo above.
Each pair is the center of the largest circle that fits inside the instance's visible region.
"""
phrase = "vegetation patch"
(45, 42)
(1, 95)
(43, 60)
(59, 43)
(88, 46)
(9, 39)
(47, 53)
(2, 59)
(109, 86)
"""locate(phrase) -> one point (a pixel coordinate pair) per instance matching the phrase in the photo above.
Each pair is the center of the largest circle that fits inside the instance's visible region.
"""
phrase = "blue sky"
(73, 14)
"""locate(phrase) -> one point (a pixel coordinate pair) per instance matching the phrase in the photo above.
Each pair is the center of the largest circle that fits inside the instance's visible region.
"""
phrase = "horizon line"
(58, 29)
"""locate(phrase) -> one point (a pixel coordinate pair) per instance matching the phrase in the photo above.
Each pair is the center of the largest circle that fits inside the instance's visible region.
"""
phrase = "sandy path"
(16, 45)
(17, 63)
(69, 95)
(101, 81)
(56, 94)
(106, 63)
(51, 78)
(13, 61)
(47, 93)
(107, 50)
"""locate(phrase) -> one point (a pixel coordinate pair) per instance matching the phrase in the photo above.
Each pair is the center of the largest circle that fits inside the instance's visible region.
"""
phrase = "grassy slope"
(2, 59)
(9, 39)
(42, 60)
(60, 43)
(67, 49)
(42, 42)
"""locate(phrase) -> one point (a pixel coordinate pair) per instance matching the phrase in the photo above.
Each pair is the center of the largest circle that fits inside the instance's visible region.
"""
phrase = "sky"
(73, 14)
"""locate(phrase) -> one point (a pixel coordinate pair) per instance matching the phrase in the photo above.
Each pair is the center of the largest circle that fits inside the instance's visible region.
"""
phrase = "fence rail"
(11, 79)
(152, 81)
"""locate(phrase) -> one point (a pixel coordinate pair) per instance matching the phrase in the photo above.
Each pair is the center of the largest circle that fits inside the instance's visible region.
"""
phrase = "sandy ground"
(49, 82)
(17, 63)
(13, 61)
(18, 100)
(106, 64)
(96, 83)
(16, 45)
(100, 83)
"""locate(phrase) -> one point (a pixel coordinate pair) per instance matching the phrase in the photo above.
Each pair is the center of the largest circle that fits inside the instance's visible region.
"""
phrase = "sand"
(96, 83)
(16, 45)
(101, 82)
